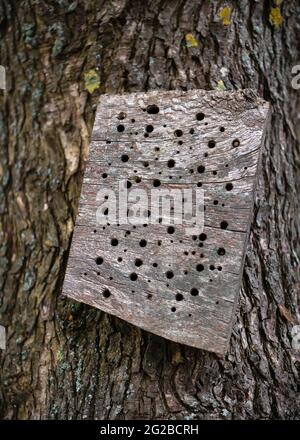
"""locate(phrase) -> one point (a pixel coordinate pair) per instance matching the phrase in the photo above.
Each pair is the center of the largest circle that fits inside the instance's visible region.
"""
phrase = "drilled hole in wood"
(121, 116)
(221, 251)
(120, 259)
(171, 229)
(152, 109)
(146, 164)
(106, 293)
(224, 224)
(124, 158)
(104, 175)
(211, 144)
(99, 260)
(120, 128)
(143, 243)
(179, 297)
(201, 169)
(149, 128)
(199, 184)
(173, 309)
(171, 163)
(114, 242)
(236, 143)
(156, 182)
(212, 267)
(178, 133)
(200, 116)
(222, 129)
(149, 296)
(138, 262)
(202, 236)
(200, 267)
(133, 276)
(169, 274)
(194, 291)
(229, 186)
(192, 131)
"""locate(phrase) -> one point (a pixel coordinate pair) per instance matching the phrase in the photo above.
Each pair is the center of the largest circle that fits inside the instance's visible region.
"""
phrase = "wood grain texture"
(186, 285)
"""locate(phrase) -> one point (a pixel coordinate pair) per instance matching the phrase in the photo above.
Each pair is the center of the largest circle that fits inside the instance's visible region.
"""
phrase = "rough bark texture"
(69, 360)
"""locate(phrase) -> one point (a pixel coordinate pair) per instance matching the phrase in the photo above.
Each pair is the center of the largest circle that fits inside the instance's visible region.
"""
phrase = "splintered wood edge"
(236, 102)
(267, 115)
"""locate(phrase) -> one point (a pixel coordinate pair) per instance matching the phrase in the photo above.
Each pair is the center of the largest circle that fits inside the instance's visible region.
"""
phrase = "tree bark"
(68, 360)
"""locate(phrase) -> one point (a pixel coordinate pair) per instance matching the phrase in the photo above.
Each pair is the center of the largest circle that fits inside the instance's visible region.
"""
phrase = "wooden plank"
(2, 78)
(180, 286)
(2, 338)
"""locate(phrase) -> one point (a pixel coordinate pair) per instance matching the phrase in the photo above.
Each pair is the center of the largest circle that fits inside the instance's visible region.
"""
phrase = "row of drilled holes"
(171, 164)
(178, 133)
(179, 296)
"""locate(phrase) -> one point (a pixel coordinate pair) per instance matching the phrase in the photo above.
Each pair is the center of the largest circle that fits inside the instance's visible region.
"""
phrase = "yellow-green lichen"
(220, 85)
(91, 81)
(191, 40)
(275, 17)
(225, 15)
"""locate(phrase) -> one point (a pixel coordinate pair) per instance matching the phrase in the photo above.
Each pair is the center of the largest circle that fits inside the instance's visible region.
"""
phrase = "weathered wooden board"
(2, 78)
(180, 286)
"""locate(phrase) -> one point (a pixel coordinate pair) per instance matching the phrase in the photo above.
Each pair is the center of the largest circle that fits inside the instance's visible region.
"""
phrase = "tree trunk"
(68, 360)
